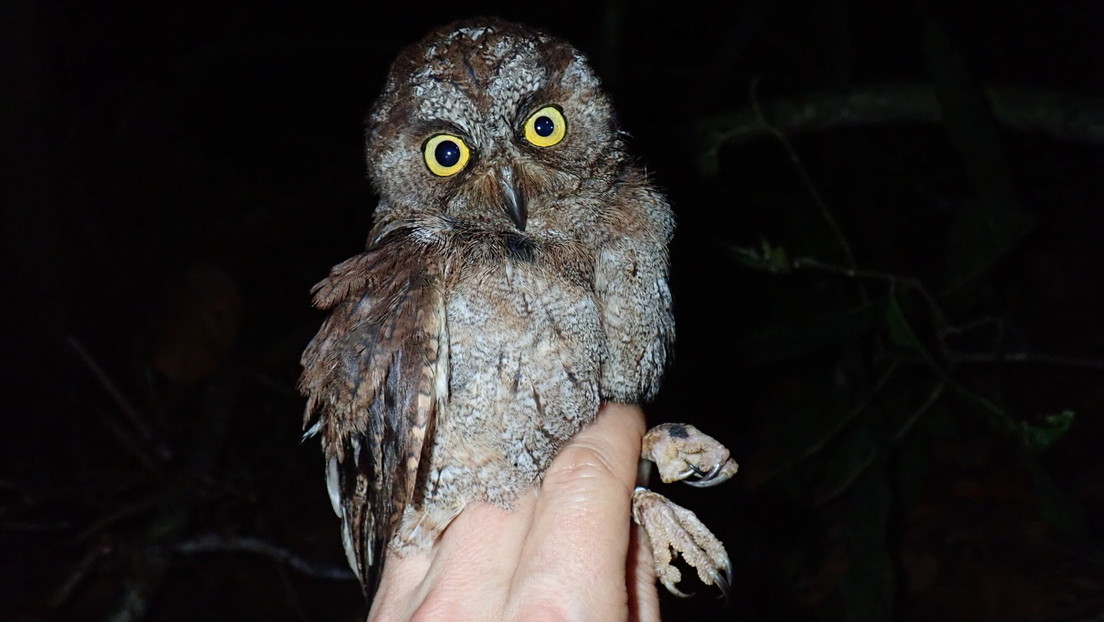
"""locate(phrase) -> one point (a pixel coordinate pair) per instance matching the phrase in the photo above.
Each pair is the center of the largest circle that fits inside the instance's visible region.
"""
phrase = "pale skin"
(568, 552)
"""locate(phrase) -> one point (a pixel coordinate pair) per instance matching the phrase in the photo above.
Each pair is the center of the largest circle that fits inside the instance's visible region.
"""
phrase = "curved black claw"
(684, 453)
(674, 531)
(718, 474)
(724, 582)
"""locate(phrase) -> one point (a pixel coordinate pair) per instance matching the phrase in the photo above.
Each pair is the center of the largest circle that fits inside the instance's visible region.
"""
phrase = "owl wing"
(631, 287)
(375, 377)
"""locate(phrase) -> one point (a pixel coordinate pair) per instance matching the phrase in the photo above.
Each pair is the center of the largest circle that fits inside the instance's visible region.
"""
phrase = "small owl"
(514, 279)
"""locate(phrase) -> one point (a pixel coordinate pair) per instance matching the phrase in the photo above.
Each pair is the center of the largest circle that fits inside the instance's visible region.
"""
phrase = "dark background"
(887, 279)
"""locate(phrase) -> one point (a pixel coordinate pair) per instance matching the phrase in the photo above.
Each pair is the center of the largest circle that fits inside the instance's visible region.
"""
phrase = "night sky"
(887, 282)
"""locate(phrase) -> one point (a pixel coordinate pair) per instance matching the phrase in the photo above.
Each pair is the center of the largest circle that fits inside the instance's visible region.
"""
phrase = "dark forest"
(887, 279)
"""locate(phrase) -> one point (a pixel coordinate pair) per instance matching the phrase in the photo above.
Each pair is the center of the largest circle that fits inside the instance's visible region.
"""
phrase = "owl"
(514, 279)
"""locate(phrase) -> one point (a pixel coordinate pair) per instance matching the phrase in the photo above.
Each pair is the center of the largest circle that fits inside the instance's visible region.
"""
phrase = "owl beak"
(515, 206)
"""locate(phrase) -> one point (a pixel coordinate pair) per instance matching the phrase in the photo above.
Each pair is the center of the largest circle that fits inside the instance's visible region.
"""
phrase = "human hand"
(568, 551)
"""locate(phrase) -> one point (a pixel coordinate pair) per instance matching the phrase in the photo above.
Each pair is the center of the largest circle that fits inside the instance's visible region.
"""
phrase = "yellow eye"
(546, 127)
(445, 154)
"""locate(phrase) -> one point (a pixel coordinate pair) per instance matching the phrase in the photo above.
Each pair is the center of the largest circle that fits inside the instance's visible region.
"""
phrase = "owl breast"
(525, 353)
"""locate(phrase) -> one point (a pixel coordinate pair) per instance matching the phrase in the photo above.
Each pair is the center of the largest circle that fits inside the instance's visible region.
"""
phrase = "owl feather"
(371, 374)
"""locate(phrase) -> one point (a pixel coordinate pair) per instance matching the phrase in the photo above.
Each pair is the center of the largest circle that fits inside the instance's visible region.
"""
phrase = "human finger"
(579, 540)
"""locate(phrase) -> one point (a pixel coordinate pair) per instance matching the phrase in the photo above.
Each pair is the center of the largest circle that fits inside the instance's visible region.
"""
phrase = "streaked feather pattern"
(371, 377)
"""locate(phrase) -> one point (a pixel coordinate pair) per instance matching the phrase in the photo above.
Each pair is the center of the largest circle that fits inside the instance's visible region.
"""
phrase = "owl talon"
(684, 453)
(719, 474)
(673, 530)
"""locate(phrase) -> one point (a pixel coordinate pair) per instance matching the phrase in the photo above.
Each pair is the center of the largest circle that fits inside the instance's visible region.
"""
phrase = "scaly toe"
(683, 453)
(673, 530)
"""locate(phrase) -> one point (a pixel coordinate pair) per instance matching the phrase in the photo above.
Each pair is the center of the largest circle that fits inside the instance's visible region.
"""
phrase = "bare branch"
(807, 181)
(1064, 116)
(213, 543)
(1027, 358)
(109, 385)
(80, 572)
(130, 413)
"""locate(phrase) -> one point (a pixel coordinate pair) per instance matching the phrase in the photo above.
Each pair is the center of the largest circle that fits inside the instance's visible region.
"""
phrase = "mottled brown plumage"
(498, 304)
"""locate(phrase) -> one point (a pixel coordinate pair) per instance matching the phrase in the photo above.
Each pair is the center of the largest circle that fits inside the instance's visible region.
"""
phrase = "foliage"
(872, 373)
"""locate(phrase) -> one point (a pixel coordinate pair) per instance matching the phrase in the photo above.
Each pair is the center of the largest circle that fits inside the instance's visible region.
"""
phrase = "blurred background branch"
(1064, 116)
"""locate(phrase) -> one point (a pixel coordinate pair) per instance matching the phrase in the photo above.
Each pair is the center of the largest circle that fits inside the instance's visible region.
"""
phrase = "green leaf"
(812, 410)
(774, 259)
(1056, 508)
(871, 583)
(786, 342)
(998, 418)
(848, 459)
(1041, 436)
(984, 229)
(911, 468)
(900, 333)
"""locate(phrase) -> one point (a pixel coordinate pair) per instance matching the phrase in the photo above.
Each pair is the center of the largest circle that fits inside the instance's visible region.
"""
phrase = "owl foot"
(673, 530)
(684, 453)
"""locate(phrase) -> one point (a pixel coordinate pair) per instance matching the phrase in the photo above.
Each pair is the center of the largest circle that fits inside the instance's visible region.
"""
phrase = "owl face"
(492, 125)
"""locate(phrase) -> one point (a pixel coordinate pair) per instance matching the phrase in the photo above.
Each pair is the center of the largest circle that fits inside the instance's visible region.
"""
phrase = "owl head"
(492, 125)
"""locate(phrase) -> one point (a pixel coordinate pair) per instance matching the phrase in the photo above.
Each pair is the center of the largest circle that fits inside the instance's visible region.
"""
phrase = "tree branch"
(213, 543)
(1064, 116)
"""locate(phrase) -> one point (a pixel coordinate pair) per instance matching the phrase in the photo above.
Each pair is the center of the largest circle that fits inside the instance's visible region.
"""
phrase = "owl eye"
(445, 154)
(546, 127)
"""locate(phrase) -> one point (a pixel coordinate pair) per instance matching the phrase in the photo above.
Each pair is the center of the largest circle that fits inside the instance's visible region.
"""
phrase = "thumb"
(580, 533)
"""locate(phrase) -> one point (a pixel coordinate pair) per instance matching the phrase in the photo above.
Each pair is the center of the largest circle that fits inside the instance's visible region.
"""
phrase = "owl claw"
(718, 474)
(673, 530)
(684, 453)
